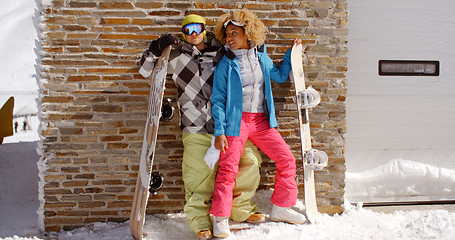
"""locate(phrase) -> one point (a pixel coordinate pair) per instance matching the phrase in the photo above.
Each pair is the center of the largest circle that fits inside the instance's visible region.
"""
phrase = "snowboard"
(141, 195)
(309, 165)
(236, 226)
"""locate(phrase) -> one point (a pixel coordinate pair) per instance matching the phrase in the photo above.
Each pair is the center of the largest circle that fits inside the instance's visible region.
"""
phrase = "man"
(191, 65)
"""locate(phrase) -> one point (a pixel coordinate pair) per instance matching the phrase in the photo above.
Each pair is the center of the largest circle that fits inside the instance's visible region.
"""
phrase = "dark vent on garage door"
(408, 68)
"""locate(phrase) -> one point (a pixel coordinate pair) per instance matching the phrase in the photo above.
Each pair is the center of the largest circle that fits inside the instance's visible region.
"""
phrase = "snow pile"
(400, 180)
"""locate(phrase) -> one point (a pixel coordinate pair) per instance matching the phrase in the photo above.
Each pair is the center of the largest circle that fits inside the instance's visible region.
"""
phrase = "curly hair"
(254, 27)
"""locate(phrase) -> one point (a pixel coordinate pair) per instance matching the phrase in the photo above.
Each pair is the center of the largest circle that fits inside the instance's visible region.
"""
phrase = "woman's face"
(236, 37)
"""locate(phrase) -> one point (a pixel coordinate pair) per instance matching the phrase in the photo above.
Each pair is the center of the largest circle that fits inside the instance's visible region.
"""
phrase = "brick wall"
(93, 101)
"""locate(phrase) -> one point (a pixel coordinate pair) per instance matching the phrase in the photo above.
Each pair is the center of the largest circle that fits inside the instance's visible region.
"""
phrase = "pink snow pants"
(255, 126)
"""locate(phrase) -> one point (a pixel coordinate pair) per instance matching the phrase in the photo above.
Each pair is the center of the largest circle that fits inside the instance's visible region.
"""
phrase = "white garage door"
(400, 140)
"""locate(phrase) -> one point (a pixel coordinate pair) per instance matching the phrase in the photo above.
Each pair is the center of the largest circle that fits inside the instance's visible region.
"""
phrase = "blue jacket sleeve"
(281, 74)
(219, 96)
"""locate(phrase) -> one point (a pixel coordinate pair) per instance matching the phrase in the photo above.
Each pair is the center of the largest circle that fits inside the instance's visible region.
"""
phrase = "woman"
(243, 109)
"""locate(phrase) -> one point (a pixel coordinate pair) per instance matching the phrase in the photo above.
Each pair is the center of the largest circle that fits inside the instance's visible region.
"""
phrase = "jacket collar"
(213, 44)
(231, 55)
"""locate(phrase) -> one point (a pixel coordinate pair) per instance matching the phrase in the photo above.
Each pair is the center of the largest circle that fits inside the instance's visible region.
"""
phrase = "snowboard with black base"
(312, 158)
(145, 177)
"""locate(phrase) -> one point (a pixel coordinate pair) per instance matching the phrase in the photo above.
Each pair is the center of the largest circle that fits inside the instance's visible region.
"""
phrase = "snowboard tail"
(312, 159)
(141, 195)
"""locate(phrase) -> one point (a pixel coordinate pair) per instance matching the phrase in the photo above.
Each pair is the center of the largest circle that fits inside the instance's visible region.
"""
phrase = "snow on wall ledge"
(401, 180)
(42, 162)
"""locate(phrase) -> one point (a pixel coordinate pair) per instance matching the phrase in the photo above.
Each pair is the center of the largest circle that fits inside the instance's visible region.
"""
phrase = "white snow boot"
(220, 227)
(286, 214)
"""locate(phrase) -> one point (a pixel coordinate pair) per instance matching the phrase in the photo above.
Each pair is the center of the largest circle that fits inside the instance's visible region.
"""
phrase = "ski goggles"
(232, 21)
(188, 29)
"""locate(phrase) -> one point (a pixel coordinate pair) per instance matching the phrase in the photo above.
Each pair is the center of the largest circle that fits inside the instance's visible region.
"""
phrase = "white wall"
(408, 117)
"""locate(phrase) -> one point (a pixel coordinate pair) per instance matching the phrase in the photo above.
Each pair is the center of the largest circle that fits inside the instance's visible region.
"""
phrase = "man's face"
(195, 39)
(194, 33)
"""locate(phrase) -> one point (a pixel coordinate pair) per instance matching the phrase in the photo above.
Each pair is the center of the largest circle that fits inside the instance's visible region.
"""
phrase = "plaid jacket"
(192, 71)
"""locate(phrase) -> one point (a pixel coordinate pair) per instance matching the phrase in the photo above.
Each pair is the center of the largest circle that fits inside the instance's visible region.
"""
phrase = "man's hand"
(221, 143)
(157, 46)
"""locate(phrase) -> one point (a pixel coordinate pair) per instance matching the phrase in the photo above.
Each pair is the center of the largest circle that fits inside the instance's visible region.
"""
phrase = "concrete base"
(391, 209)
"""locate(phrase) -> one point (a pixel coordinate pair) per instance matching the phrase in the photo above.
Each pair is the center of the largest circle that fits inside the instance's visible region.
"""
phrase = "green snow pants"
(199, 181)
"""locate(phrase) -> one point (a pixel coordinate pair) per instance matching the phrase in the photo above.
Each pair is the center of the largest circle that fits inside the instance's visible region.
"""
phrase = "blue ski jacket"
(227, 90)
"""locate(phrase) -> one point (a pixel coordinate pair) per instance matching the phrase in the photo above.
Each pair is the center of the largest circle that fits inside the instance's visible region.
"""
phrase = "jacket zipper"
(254, 82)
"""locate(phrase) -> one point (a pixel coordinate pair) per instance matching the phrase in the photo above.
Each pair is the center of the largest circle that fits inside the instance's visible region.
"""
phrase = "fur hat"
(254, 28)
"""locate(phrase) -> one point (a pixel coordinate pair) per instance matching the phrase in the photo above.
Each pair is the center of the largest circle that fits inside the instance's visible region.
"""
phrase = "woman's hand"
(221, 143)
(297, 41)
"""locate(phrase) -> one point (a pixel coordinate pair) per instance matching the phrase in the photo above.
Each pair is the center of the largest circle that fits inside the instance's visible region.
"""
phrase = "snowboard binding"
(315, 159)
(309, 98)
(156, 183)
(167, 110)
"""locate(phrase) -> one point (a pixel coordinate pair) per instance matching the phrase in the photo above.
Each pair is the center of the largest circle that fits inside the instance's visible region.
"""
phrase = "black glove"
(157, 46)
